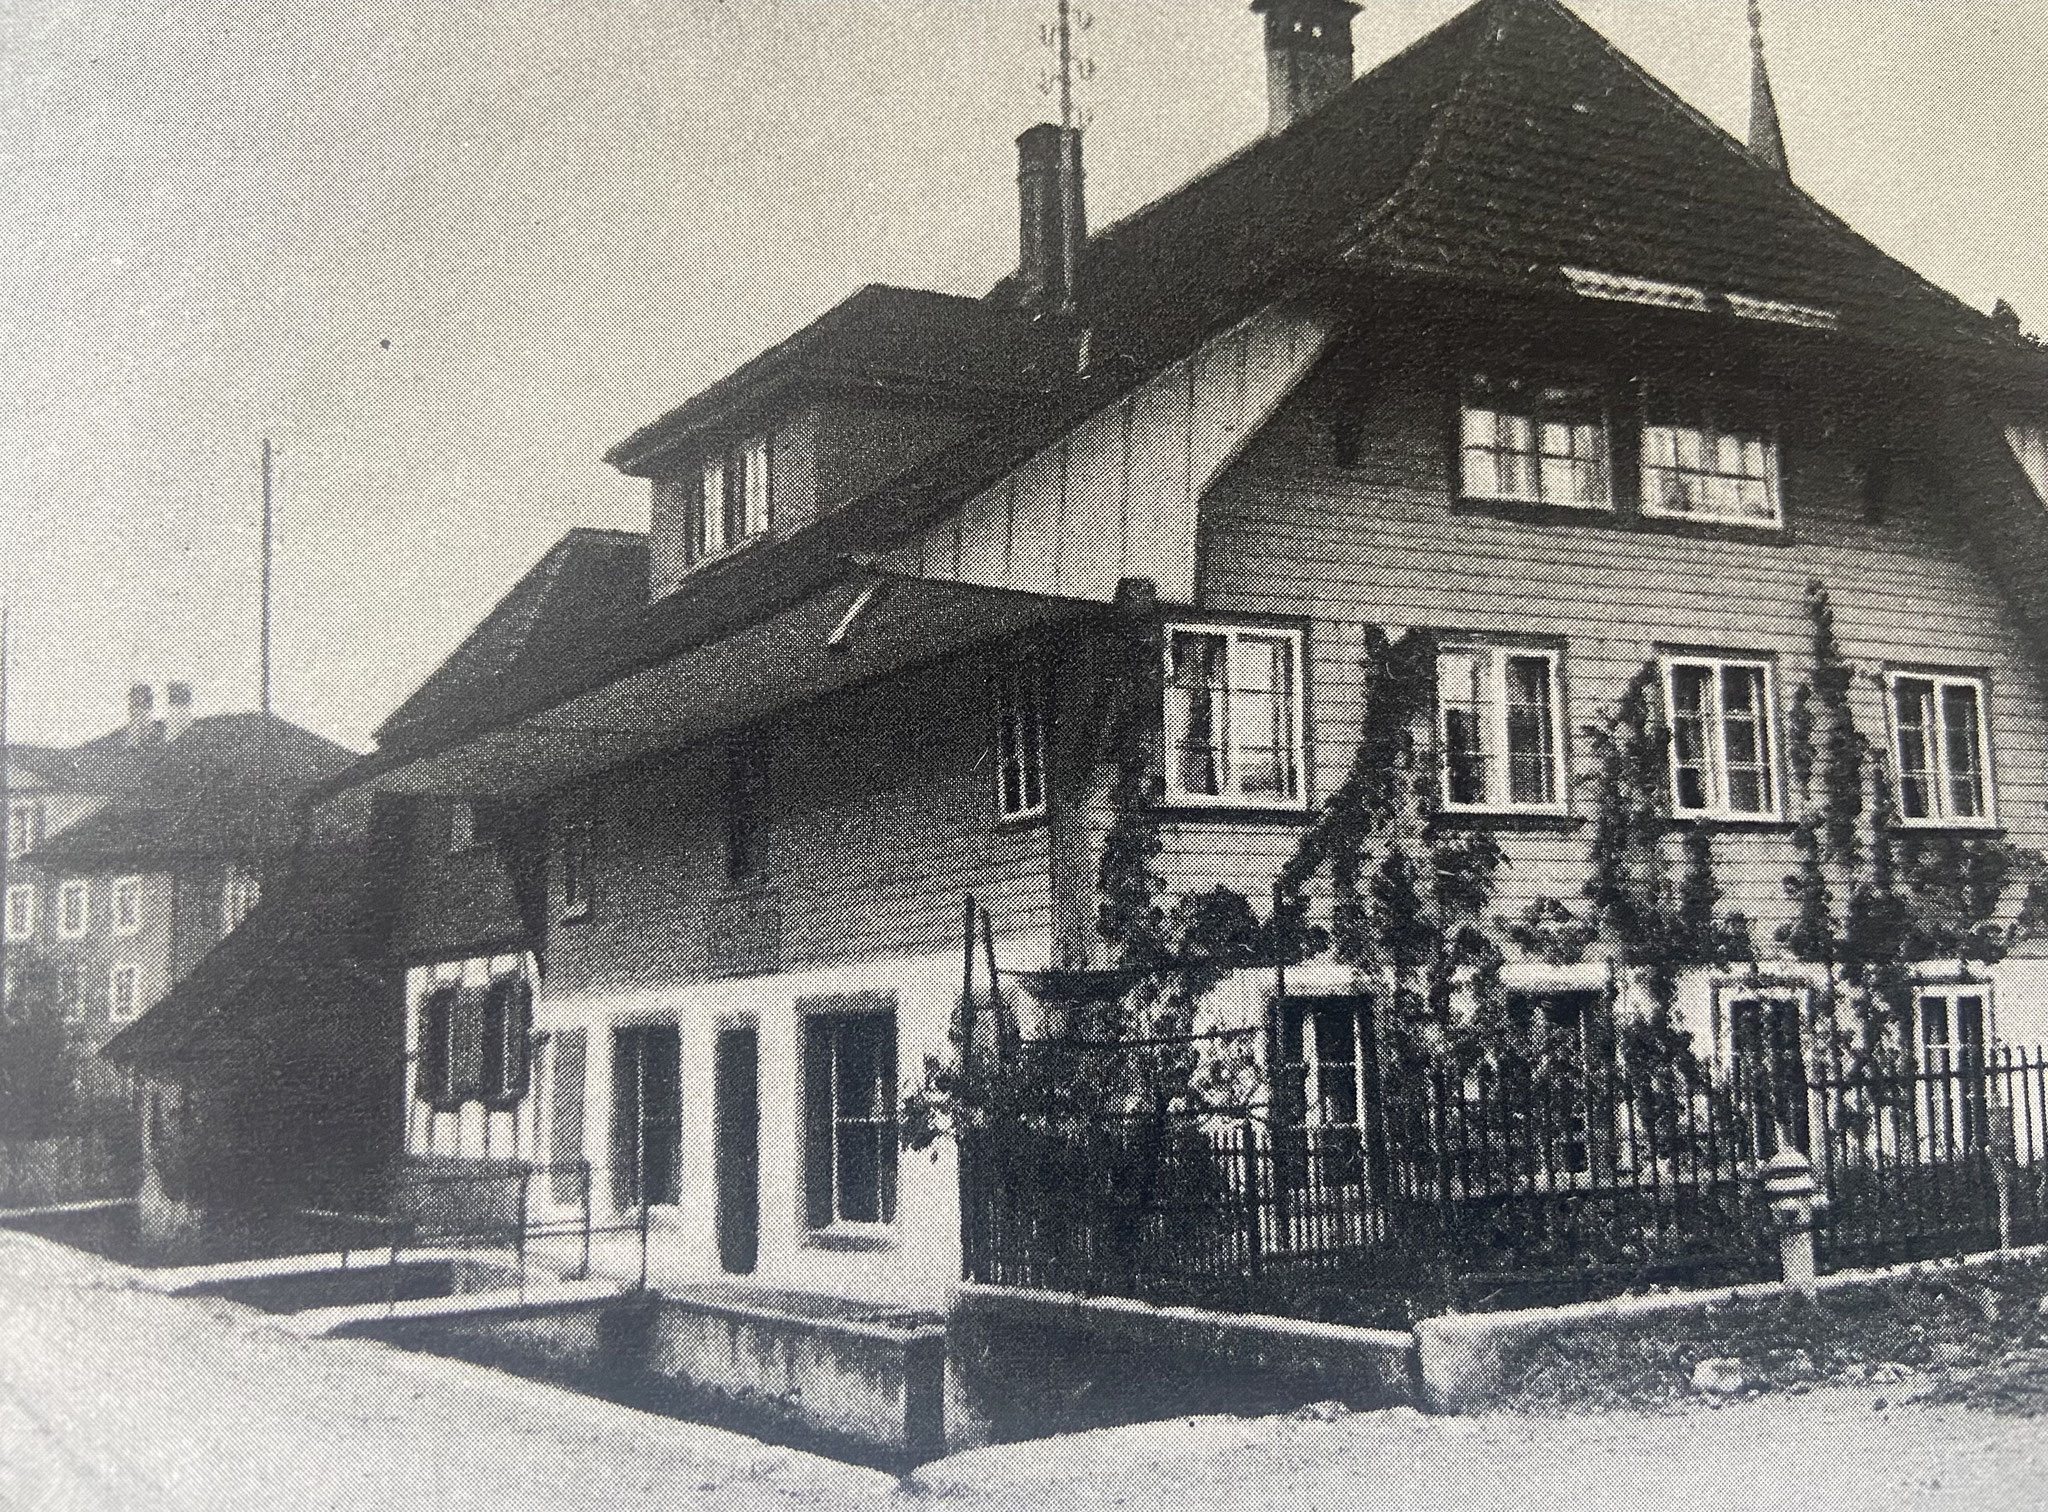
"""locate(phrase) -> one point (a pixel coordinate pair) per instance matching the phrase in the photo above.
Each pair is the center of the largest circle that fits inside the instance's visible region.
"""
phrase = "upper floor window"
(74, 909)
(21, 912)
(1020, 697)
(1723, 749)
(1708, 457)
(24, 828)
(578, 832)
(746, 801)
(1939, 749)
(128, 905)
(1498, 728)
(1234, 722)
(239, 895)
(1535, 443)
(461, 828)
(2029, 445)
(735, 497)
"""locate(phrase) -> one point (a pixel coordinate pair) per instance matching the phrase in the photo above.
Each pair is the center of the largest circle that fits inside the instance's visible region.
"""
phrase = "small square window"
(1499, 729)
(239, 896)
(1235, 731)
(1020, 699)
(1940, 750)
(1709, 458)
(1535, 443)
(1723, 741)
(74, 909)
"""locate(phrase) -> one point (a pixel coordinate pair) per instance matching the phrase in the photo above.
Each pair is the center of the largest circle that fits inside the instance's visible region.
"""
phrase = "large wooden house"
(1502, 342)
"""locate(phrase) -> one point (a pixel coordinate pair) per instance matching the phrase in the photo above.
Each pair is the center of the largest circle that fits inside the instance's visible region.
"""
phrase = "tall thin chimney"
(141, 713)
(1052, 212)
(1308, 56)
(177, 709)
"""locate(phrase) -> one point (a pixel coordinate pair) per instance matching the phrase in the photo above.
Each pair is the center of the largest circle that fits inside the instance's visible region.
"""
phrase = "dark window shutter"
(466, 1054)
(519, 1042)
(818, 1121)
(435, 1011)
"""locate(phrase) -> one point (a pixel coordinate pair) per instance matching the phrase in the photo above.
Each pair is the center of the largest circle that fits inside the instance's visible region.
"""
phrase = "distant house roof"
(226, 786)
(300, 978)
(1512, 149)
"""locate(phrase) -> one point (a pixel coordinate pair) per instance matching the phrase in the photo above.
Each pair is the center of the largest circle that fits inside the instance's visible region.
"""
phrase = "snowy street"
(113, 1398)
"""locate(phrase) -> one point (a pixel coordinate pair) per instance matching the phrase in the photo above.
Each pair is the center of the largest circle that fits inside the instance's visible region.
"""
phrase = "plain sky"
(445, 252)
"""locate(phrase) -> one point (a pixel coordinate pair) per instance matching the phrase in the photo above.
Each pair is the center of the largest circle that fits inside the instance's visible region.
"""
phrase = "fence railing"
(511, 1211)
(1512, 1181)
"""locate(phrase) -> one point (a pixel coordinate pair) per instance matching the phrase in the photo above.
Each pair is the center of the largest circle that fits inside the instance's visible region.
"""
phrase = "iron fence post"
(646, 1207)
(519, 1238)
(583, 1170)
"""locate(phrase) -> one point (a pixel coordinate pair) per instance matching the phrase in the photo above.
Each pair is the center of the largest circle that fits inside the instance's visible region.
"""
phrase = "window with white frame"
(127, 905)
(850, 1135)
(735, 497)
(1499, 730)
(1709, 457)
(21, 912)
(1767, 1049)
(1326, 1051)
(124, 993)
(1940, 749)
(24, 828)
(74, 909)
(1020, 699)
(1234, 719)
(1534, 443)
(239, 896)
(1955, 1092)
(1723, 749)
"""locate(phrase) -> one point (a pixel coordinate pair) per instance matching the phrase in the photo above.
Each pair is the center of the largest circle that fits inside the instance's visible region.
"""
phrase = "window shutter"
(432, 1080)
(818, 1122)
(519, 1040)
(467, 1047)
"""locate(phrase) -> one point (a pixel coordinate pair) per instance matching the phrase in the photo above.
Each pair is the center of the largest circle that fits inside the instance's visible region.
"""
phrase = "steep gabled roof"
(226, 786)
(586, 581)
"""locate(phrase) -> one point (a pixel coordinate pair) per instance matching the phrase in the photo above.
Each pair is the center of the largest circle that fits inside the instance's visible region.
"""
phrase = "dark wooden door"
(739, 1150)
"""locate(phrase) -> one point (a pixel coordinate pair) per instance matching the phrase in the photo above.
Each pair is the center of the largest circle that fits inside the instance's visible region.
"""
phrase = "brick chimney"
(1052, 213)
(177, 709)
(1308, 56)
(141, 714)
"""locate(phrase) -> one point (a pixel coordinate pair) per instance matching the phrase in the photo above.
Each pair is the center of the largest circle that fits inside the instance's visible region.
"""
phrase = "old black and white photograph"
(1024, 754)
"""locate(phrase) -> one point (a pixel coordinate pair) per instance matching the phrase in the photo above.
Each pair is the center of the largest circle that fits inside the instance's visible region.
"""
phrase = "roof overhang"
(869, 624)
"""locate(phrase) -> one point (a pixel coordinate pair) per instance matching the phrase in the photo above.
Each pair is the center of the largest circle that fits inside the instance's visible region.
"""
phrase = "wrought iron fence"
(1516, 1182)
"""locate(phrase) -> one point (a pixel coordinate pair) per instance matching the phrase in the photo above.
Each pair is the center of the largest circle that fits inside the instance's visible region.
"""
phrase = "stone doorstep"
(370, 1318)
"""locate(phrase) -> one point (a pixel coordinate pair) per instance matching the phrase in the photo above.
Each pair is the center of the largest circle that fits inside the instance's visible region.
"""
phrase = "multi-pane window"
(127, 895)
(1956, 1103)
(735, 497)
(1723, 760)
(21, 912)
(239, 895)
(850, 1118)
(124, 992)
(74, 905)
(1325, 1056)
(1020, 698)
(1498, 728)
(1234, 727)
(1535, 443)
(1708, 460)
(1767, 1040)
(24, 828)
(1939, 749)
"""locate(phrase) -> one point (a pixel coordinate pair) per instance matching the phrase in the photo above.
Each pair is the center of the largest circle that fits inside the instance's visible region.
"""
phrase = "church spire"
(1766, 137)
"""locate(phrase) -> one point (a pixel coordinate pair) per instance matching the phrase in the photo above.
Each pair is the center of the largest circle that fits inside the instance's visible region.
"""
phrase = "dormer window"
(1532, 442)
(735, 501)
(1709, 457)
(2029, 445)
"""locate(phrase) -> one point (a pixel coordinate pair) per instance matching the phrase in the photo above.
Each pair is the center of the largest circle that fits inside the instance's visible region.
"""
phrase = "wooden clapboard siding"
(1118, 497)
(880, 819)
(1289, 531)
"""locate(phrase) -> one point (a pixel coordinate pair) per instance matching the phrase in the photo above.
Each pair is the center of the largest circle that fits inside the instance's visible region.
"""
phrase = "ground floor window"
(647, 1114)
(1955, 1096)
(1767, 1041)
(850, 1117)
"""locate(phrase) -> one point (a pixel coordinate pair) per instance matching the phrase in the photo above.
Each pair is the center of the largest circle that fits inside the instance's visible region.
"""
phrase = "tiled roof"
(226, 786)
(588, 580)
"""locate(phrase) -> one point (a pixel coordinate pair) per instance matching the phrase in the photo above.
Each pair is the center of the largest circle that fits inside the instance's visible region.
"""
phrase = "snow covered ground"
(114, 1398)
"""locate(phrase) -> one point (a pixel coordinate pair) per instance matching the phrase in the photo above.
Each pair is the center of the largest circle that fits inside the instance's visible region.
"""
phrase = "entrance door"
(739, 1150)
(647, 1114)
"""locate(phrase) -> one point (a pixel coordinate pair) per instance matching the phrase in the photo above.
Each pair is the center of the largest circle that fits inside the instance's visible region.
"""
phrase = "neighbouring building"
(1502, 342)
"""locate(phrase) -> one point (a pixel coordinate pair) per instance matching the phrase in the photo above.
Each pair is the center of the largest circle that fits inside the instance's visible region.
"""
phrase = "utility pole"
(6, 801)
(265, 703)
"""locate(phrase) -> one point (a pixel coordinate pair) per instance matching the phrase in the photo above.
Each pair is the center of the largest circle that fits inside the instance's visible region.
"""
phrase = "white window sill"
(862, 1237)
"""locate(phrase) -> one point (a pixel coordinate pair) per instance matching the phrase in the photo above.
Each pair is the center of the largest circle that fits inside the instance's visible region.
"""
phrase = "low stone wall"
(1026, 1363)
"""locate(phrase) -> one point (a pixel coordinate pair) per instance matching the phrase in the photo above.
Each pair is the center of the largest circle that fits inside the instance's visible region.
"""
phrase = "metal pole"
(267, 521)
(584, 1170)
(6, 800)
